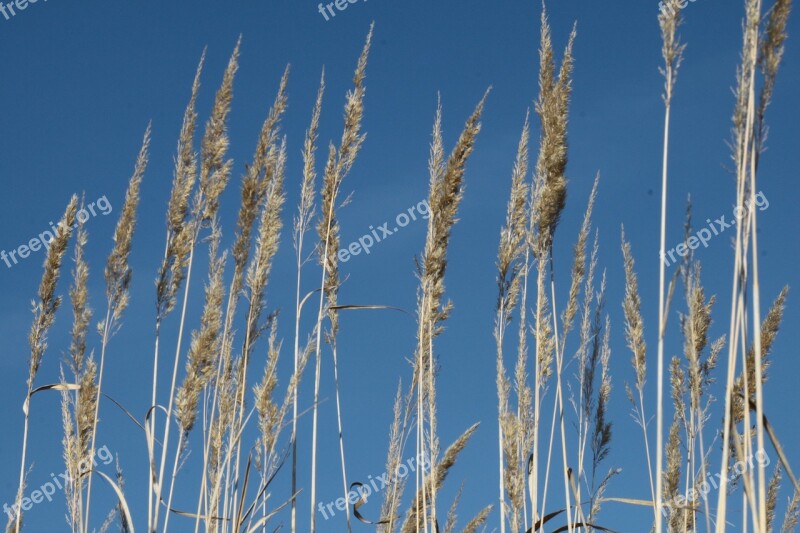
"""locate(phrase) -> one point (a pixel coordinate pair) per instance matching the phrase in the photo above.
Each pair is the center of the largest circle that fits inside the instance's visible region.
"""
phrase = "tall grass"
(245, 428)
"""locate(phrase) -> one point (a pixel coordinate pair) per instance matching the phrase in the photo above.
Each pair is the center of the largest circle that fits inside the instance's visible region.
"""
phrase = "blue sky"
(81, 80)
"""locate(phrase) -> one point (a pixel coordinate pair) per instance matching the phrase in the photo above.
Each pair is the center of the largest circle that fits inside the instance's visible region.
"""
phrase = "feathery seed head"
(634, 325)
(44, 311)
(118, 271)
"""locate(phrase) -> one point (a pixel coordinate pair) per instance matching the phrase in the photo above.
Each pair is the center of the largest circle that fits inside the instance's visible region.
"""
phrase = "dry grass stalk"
(772, 496)
(671, 476)
(590, 337)
(302, 223)
(213, 174)
(44, 314)
(256, 183)
(452, 514)
(594, 379)
(415, 518)
(118, 272)
(205, 345)
(177, 246)
(477, 522)
(672, 53)
(695, 325)
(44, 311)
(257, 180)
(272, 416)
(747, 144)
(176, 252)
(446, 190)
(118, 278)
(550, 184)
(256, 281)
(446, 187)
(769, 61)
(601, 435)
(78, 412)
(79, 295)
(203, 352)
(214, 168)
(792, 516)
(552, 108)
(396, 484)
(634, 335)
(340, 162)
(267, 242)
(769, 331)
(513, 241)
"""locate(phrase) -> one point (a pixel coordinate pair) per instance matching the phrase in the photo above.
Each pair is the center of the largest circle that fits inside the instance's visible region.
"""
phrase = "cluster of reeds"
(525, 262)
(214, 391)
(684, 460)
(683, 457)
(210, 385)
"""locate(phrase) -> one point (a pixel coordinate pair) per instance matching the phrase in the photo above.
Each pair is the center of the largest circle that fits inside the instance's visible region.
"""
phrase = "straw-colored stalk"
(302, 223)
(203, 352)
(672, 52)
(513, 240)
(257, 279)
(44, 315)
(213, 175)
(77, 412)
(446, 192)
(749, 127)
(339, 163)
(176, 247)
(634, 335)
(552, 106)
(118, 278)
(255, 183)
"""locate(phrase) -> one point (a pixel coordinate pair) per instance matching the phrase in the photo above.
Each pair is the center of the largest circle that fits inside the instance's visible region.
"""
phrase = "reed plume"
(672, 53)
(792, 516)
(446, 192)
(396, 485)
(747, 379)
(513, 242)
(118, 275)
(552, 107)
(178, 243)
(212, 175)
(302, 223)
(748, 142)
(256, 281)
(256, 182)
(44, 311)
(634, 335)
(171, 273)
(415, 517)
(205, 346)
(78, 411)
(548, 202)
(339, 163)
(118, 272)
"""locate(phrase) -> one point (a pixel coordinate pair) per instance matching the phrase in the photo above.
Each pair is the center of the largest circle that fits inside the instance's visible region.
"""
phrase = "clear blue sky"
(80, 81)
